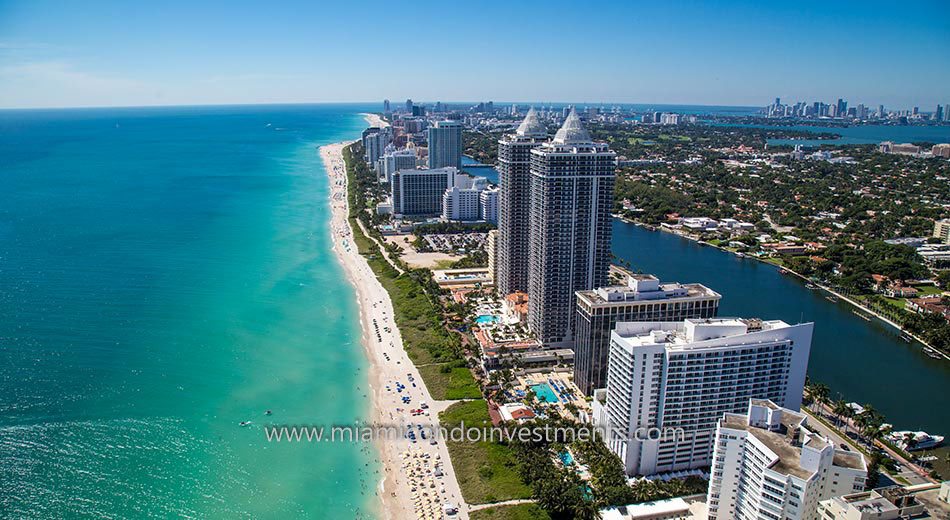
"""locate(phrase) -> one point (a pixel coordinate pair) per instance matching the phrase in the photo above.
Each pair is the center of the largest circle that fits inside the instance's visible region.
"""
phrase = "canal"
(860, 361)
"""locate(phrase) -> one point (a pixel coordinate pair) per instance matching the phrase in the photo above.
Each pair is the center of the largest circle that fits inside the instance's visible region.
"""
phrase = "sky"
(726, 52)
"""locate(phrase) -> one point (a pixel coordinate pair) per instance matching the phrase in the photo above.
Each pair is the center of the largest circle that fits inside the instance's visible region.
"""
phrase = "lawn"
(515, 512)
(669, 137)
(363, 244)
(639, 141)
(444, 264)
(455, 384)
(487, 471)
(928, 290)
(419, 320)
(898, 303)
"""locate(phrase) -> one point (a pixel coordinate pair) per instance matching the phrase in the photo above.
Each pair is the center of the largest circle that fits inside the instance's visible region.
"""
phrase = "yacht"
(925, 441)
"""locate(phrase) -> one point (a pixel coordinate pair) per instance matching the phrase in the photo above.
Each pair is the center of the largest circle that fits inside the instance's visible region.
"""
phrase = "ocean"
(165, 274)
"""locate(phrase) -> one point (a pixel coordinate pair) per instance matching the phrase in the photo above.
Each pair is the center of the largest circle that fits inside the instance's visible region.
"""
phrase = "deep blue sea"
(166, 273)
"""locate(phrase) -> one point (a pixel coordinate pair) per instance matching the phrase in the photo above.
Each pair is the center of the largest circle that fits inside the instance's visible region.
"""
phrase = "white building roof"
(646, 510)
(572, 131)
(531, 125)
(690, 331)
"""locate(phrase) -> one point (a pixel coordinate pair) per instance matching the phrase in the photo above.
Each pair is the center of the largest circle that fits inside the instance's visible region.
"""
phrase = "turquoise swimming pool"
(544, 392)
(486, 318)
(566, 458)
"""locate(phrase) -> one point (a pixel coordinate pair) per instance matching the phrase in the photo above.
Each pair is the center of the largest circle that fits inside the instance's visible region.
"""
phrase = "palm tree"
(848, 415)
(586, 510)
(871, 433)
(818, 393)
(644, 490)
(677, 487)
(910, 441)
(840, 408)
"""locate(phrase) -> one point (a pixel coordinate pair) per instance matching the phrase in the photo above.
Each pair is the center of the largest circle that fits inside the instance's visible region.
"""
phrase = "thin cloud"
(63, 74)
(234, 78)
(56, 83)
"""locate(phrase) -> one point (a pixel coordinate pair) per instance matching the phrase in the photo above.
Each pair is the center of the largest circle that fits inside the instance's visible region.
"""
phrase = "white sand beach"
(408, 488)
(373, 120)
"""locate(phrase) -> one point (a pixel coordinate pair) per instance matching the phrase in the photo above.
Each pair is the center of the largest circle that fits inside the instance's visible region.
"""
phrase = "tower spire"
(531, 125)
(572, 131)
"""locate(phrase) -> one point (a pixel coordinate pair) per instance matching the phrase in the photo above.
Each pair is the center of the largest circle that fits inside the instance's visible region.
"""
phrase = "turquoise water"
(486, 318)
(567, 458)
(165, 274)
(544, 392)
(859, 360)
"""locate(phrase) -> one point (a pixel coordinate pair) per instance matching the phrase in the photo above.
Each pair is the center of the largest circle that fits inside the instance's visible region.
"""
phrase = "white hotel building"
(768, 465)
(682, 376)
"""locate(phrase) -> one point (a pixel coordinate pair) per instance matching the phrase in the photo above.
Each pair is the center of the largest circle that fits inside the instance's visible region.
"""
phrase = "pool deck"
(562, 379)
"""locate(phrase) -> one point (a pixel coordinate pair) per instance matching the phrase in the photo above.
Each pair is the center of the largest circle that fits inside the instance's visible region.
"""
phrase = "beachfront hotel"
(767, 463)
(571, 197)
(393, 161)
(462, 202)
(419, 192)
(445, 144)
(684, 376)
(644, 298)
(375, 143)
(514, 200)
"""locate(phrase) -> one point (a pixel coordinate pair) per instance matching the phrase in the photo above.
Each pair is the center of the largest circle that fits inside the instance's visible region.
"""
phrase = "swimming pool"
(567, 458)
(544, 392)
(486, 318)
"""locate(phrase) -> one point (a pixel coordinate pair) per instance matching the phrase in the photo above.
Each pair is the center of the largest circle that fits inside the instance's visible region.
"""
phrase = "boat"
(268, 412)
(906, 337)
(932, 352)
(832, 298)
(245, 423)
(782, 271)
(924, 441)
(861, 315)
(740, 254)
(811, 286)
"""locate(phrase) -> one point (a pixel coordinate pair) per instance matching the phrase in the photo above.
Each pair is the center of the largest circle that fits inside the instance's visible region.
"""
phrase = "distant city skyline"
(736, 53)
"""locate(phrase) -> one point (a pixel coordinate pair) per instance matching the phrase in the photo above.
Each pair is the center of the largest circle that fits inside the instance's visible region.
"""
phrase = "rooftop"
(572, 131)
(785, 433)
(642, 287)
(693, 332)
(778, 442)
(531, 125)
(655, 509)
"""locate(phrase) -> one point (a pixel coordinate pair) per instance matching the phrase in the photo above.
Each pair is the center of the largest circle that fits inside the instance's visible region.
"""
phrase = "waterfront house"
(929, 305)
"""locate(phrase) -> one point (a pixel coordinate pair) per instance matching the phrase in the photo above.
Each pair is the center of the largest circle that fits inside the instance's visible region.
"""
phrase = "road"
(909, 471)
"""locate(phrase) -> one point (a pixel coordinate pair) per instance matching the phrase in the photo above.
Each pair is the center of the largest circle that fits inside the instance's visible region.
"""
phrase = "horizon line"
(299, 103)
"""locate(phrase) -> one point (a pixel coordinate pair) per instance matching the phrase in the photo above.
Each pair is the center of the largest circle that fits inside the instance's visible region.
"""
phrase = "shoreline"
(848, 300)
(373, 120)
(388, 363)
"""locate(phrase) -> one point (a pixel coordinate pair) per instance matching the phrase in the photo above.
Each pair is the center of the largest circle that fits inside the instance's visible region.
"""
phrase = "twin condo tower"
(554, 221)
